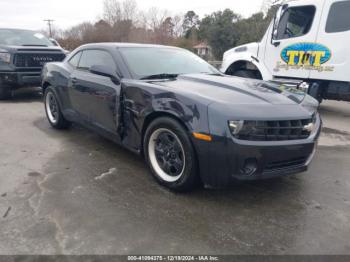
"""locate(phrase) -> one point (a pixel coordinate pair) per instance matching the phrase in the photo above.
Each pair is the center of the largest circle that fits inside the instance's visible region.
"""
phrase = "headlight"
(310, 103)
(5, 57)
(246, 128)
(311, 127)
(235, 126)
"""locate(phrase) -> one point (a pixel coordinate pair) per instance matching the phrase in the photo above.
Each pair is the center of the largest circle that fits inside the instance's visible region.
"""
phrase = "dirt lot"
(73, 192)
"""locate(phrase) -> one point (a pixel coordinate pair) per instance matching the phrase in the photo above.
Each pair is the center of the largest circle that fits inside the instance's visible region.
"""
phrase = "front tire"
(246, 74)
(170, 154)
(53, 110)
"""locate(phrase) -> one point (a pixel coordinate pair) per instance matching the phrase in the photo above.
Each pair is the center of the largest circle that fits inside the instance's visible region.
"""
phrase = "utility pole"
(49, 23)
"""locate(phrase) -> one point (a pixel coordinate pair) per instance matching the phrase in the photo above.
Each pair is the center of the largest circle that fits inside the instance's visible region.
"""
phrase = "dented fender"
(143, 101)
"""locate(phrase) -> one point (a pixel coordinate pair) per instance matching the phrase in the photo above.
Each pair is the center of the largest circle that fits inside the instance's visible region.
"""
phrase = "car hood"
(12, 48)
(232, 90)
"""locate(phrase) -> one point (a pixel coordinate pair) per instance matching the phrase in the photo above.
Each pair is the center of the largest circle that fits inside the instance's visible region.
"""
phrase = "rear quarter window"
(74, 61)
(338, 18)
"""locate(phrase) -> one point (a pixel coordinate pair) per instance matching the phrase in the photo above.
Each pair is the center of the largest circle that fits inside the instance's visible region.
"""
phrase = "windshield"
(23, 38)
(148, 61)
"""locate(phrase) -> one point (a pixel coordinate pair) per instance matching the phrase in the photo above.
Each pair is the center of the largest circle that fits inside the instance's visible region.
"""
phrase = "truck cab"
(23, 54)
(305, 46)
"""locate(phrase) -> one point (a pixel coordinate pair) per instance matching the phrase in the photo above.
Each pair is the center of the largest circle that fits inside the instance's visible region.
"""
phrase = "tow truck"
(305, 47)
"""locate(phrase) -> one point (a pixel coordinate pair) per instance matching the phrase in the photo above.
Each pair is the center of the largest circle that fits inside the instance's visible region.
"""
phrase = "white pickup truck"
(307, 46)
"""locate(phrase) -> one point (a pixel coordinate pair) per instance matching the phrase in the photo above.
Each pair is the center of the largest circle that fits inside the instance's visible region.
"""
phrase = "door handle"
(74, 80)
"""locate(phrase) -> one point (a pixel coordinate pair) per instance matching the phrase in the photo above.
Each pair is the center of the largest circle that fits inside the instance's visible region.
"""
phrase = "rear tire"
(170, 155)
(53, 110)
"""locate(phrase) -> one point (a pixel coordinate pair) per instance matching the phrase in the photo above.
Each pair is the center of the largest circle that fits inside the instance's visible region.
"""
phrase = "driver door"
(293, 34)
(77, 94)
(97, 96)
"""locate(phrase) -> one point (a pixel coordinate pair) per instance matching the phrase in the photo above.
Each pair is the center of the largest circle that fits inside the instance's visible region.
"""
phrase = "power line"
(49, 23)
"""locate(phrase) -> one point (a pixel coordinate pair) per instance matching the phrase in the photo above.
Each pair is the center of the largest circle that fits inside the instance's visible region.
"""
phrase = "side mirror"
(105, 71)
(277, 20)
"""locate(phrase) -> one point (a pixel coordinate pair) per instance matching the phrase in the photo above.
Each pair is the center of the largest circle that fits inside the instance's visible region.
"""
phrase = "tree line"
(122, 21)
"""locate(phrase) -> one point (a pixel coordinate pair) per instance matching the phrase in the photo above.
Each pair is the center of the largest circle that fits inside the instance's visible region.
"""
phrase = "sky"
(29, 14)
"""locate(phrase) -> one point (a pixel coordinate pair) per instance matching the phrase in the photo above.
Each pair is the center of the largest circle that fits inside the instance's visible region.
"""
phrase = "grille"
(37, 60)
(285, 164)
(275, 130)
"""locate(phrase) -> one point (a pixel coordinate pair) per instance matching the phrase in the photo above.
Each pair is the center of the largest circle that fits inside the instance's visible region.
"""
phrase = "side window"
(75, 59)
(295, 22)
(338, 17)
(96, 57)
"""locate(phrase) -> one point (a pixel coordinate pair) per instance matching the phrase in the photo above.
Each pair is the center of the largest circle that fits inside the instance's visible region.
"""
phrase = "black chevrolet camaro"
(190, 122)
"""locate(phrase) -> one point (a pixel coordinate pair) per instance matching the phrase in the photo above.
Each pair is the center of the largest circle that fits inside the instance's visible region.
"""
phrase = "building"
(204, 50)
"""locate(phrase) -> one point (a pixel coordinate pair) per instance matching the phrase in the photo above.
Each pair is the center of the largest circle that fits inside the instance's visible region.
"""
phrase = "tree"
(190, 24)
(129, 10)
(178, 29)
(154, 18)
(76, 35)
(219, 29)
(253, 28)
(115, 11)
(112, 11)
(123, 22)
(102, 32)
(168, 26)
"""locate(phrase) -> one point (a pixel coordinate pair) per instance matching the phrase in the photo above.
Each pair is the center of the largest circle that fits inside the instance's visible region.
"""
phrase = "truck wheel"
(245, 74)
(170, 155)
(316, 92)
(5, 92)
(53, 110)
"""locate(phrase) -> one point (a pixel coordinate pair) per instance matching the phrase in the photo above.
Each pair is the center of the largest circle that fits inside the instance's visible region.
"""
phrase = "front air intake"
(276, 130)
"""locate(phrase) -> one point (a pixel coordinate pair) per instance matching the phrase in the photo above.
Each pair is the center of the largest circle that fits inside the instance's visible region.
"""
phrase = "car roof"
(116, 44)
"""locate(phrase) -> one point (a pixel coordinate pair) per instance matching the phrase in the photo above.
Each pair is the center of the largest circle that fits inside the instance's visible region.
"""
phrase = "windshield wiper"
(160, 76)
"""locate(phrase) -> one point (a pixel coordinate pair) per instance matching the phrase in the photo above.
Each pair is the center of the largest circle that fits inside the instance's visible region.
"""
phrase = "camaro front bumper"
(226, 159)
(262, 162)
